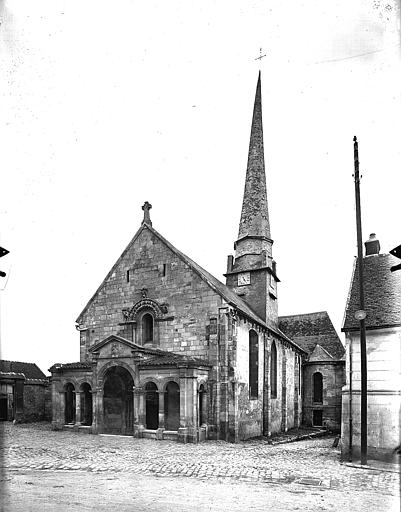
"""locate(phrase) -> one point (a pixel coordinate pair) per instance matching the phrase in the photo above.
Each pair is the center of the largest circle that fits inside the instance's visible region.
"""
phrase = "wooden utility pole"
(361, 314)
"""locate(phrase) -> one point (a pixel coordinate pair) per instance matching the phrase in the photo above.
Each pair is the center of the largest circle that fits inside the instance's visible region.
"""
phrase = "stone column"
(139, 411)
(160, 430)
(187, 431)
(97, 400)
(62, 407)
(77, 408)
(57, 421)
(161, 409)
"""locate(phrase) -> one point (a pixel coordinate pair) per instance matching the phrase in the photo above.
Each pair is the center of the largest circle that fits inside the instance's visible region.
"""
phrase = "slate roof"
(320, 354)
(382, 293)
(221, 289)
(311, 329)
(30, 370)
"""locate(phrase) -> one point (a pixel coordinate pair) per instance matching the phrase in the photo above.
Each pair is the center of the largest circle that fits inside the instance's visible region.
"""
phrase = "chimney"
(230, 263)
(372, 246)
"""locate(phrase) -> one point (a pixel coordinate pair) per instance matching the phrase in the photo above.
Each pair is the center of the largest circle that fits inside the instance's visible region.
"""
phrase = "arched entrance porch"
(118, 401)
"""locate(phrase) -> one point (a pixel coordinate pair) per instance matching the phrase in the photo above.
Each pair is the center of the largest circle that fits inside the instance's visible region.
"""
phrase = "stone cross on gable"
(146, 217)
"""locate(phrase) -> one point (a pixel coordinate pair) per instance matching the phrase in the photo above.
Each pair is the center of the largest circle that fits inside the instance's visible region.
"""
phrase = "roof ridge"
(209, 278)
(303, 314)
(13, 361)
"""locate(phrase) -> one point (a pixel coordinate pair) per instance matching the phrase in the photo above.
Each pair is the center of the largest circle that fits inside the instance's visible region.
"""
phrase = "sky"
(107, 105)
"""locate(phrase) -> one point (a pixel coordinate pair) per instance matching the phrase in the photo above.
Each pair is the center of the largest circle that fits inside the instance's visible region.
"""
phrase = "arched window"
(273, 371)
(147, 328)
(318, 387)
(253, 364)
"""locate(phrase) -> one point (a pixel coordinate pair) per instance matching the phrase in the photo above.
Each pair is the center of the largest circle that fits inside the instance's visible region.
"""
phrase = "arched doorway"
(86, 404)
(69, 404)
(118, 401)
(172, 406)
(152, 406)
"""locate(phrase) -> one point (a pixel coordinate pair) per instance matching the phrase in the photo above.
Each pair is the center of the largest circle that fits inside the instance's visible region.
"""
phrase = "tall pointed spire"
(254, 215)
(252, 273)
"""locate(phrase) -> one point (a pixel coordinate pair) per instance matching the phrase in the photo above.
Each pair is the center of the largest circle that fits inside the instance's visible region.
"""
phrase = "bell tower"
(252, 272)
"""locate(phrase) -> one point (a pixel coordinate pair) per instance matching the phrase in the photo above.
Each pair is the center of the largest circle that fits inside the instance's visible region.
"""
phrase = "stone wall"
(384, 393)
(36, 400)
(190, 301)
(285, 409)
(333, 380)
(250, 410)
(254, 293)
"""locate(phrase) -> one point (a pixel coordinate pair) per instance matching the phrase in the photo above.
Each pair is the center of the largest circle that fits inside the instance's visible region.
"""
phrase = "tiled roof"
(11, 375)
(382, 293)
(171, 359)
(311, 329)
(30, 370)
(70, 366)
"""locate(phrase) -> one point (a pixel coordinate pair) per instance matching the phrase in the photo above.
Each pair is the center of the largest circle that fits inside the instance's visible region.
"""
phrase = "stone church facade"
(167, 351)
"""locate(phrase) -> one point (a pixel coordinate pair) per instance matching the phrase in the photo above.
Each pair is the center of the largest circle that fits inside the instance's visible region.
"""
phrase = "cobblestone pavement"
(310, 467)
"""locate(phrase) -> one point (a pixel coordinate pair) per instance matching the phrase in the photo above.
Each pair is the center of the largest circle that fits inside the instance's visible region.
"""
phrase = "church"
(167, 351)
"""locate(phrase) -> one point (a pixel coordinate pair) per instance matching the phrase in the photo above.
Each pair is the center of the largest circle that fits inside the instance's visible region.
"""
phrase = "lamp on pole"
(362, 314)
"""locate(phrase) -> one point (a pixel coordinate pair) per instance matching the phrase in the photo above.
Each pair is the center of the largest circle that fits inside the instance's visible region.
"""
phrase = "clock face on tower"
(244, 278)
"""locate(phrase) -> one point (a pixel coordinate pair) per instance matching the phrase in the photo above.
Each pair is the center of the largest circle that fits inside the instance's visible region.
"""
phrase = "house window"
(253, 364)
(147, 328)
(318, 387)
(273, 371)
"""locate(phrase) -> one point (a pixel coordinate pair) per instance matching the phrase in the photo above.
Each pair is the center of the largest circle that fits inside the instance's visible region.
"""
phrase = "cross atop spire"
(260, 57)
(146, 217)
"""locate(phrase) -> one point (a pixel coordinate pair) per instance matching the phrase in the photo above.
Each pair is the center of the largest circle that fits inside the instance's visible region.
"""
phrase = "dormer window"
(147, 328)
